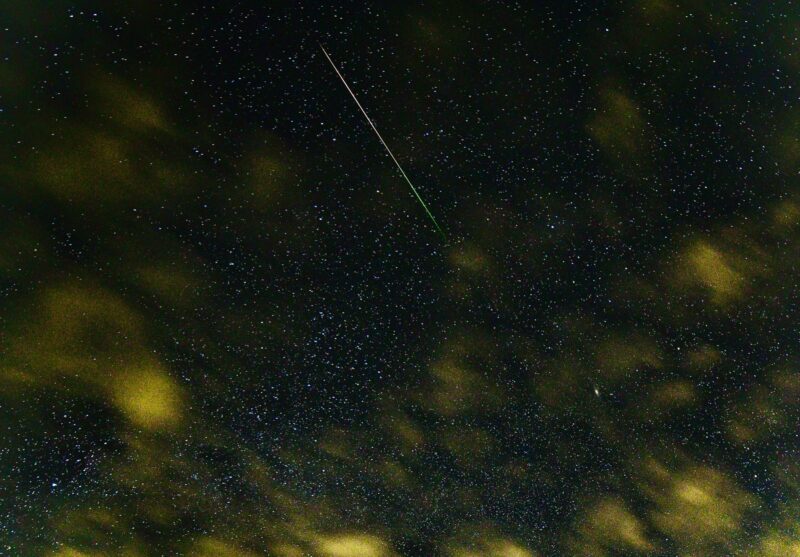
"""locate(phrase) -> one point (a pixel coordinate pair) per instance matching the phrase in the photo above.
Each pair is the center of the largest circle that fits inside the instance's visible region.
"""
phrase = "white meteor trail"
(385, 146)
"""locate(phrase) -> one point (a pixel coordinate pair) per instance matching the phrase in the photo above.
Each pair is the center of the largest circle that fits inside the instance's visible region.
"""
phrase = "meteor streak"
(385, 146)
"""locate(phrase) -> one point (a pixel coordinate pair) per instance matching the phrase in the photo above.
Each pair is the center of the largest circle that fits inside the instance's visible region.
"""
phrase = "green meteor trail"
(400, 168)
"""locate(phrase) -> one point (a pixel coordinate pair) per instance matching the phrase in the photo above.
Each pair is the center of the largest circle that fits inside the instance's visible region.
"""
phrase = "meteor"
(385, 146)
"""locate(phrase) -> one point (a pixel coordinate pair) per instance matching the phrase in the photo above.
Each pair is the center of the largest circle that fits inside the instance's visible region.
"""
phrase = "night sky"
(229, 329)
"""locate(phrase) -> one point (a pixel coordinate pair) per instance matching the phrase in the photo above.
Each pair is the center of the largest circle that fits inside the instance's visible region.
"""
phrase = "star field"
(229, 329)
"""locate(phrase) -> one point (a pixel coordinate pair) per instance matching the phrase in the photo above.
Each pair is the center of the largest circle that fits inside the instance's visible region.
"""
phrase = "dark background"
(228, 328)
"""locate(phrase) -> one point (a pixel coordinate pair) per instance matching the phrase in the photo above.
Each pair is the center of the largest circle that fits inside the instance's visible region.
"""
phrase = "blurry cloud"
(698, 507)
(214, 547)
(609, 528)
(618, 126)
(621, 356)
(352, 545)
(147, 396)
(128, 105)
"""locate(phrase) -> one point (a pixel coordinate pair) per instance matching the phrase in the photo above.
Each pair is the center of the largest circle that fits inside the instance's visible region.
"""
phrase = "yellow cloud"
(786, 214)
(714, 270)
(457, 388)
(767, 409)
(405, 431)
(352, 545)
(92, 164)
(610, 527)
(395, 475)
(213, 547)
(174, 285)
(696, 506)
(287, 550)
(620, 355)
(147, 396)
(618, 126)
(338, 443)
(72, 332)
(674, 394)
(779, 545)
(490, 547)
(132, 108)
(72, 552)
(703, 358)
